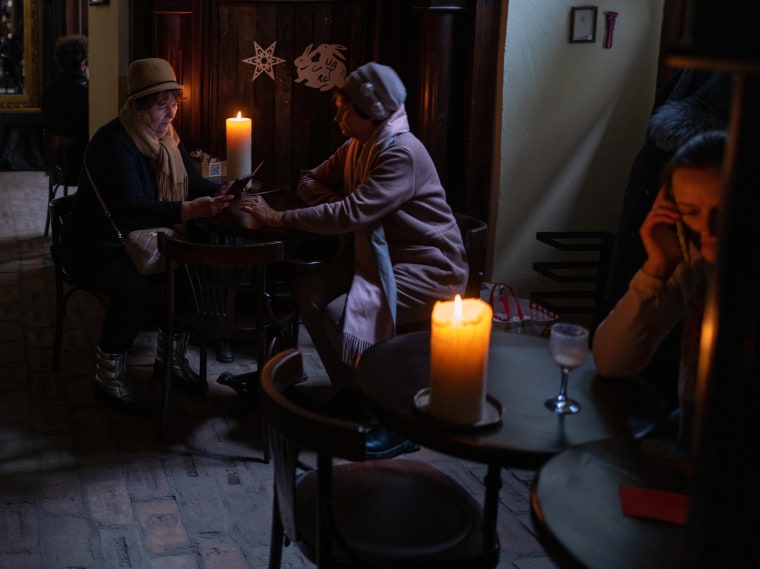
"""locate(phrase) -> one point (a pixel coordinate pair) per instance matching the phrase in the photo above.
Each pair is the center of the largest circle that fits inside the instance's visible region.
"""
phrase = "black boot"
(182, 374)
(114, 387)
(224, 352)
(381, 442)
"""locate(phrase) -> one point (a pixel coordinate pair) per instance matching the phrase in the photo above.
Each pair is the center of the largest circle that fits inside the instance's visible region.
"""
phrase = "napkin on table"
(672, 507)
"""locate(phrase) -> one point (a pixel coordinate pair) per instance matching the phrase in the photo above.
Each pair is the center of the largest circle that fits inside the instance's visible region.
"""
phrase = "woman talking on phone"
(680, 238)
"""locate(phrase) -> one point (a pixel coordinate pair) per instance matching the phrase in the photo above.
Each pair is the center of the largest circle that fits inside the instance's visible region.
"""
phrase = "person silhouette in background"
(65, 100)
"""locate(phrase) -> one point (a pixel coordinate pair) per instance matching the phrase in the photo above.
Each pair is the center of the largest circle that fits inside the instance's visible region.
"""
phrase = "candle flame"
(240, 114)
(457, 307)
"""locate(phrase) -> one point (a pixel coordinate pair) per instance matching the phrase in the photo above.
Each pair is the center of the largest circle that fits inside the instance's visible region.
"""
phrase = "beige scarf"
(163, 152)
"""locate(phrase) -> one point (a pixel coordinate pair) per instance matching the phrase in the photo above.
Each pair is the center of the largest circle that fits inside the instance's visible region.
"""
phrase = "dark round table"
(520, 377)
(576, 506)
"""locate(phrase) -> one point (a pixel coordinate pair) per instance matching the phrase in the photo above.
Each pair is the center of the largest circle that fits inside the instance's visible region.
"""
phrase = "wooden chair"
(475, 237)
(397, 513)
(63, 157)
(58, 213)
(212, 277)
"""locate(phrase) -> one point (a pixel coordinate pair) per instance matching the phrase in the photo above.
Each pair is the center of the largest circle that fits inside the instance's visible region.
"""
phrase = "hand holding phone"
(680, 230)
(238, 186)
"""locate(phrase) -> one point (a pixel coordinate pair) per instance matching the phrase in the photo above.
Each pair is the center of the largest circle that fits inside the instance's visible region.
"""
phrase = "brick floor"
(83, 487)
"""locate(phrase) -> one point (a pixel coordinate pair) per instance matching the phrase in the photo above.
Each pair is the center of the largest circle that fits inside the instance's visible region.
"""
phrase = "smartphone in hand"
(680, 230)
(238, 186)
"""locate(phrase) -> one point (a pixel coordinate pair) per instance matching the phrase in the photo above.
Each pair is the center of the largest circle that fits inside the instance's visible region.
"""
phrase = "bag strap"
(505, 302)
(102, 203)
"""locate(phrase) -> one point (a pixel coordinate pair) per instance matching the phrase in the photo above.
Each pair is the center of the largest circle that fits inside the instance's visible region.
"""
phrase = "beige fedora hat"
(150, 75)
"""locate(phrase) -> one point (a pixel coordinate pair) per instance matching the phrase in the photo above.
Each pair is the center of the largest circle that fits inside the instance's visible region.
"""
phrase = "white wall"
(108, 32)
(573, 117)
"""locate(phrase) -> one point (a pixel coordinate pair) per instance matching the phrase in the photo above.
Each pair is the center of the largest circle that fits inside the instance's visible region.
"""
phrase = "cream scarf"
(163, 152)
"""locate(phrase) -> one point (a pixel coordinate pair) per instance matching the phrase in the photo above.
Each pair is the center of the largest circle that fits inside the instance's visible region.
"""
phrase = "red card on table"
(654, 504)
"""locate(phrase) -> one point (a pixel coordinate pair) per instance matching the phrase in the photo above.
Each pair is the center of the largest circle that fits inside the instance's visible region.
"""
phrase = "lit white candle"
(238, 146)
(459, 341)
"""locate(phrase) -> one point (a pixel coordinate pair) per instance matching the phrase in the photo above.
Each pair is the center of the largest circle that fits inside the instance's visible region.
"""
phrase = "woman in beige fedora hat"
(145, 175)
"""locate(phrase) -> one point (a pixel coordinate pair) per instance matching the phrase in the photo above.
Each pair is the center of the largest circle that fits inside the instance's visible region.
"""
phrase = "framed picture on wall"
(583, 24)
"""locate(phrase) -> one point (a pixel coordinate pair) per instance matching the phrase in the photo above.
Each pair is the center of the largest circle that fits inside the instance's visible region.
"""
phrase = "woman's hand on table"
(205, 206)
(262, 211)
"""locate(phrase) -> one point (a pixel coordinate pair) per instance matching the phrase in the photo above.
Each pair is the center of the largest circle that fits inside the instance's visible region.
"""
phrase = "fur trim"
(677, 121)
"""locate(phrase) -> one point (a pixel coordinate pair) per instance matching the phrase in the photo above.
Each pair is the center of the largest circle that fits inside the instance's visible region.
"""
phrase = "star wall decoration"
(264, 60)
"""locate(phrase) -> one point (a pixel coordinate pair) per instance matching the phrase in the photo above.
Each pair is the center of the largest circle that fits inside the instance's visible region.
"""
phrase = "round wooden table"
(520, 377)
(577, 510)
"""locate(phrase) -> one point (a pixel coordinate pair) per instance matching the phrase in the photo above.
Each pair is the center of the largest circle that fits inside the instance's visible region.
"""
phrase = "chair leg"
(168, 360)
(275, 544)
(60, 310)
(202, 359)
(52, 189)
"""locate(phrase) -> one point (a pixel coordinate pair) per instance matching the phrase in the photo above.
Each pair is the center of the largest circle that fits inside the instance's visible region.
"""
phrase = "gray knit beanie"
(376, 89)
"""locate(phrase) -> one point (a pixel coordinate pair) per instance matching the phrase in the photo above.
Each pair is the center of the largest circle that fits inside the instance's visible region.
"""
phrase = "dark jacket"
(65, 110)
(126, 181)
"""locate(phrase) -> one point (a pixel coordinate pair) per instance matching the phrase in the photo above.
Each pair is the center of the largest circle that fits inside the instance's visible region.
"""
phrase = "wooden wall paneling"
(173, 30)
(480, 93)
(436, 32)
(268, 108)
(173, 44)
(76, 17)
(292, 122)
(458, 128)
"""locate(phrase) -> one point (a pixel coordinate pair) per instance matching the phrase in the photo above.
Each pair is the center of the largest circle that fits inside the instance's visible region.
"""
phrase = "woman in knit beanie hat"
(382, 188)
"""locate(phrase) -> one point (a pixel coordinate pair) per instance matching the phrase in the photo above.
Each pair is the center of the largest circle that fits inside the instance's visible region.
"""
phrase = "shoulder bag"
(140, 245)
(516, 314)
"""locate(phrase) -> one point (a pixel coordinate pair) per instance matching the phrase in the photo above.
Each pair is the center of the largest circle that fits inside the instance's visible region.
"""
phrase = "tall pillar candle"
(238, 146)
(460, 338)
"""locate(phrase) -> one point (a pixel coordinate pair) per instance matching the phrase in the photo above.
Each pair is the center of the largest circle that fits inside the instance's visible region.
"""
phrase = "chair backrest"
(212, 275)
(475, 237)
(59, 210)
(63, 159)
(292, 427)
(377, 513)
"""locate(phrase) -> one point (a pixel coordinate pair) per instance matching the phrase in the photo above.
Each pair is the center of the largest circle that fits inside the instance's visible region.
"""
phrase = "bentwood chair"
(204, 302)
(65, 284)
(475, 237)
(398, 513)
(63, 164)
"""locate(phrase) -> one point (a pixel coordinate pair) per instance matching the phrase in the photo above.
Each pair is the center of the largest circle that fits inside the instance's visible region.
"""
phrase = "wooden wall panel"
(292, 122)
(446, 52)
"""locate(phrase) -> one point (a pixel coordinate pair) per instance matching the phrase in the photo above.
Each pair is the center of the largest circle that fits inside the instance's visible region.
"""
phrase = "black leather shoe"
(382, 443)
(224, 352)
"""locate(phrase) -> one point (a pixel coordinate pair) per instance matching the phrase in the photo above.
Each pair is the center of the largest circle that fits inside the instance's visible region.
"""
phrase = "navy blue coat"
(127, 182)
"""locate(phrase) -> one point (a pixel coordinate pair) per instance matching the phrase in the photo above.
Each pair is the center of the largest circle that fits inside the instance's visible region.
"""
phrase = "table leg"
(491, 507)
(246, 384)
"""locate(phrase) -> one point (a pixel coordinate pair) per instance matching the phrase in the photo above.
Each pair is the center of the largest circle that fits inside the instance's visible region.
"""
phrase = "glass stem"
(562, 396)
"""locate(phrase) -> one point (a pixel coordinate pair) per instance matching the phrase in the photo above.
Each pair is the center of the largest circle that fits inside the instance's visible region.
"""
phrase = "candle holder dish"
(492, 413)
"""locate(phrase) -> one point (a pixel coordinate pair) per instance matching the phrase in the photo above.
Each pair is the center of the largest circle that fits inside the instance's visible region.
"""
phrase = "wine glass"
(568, 347)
